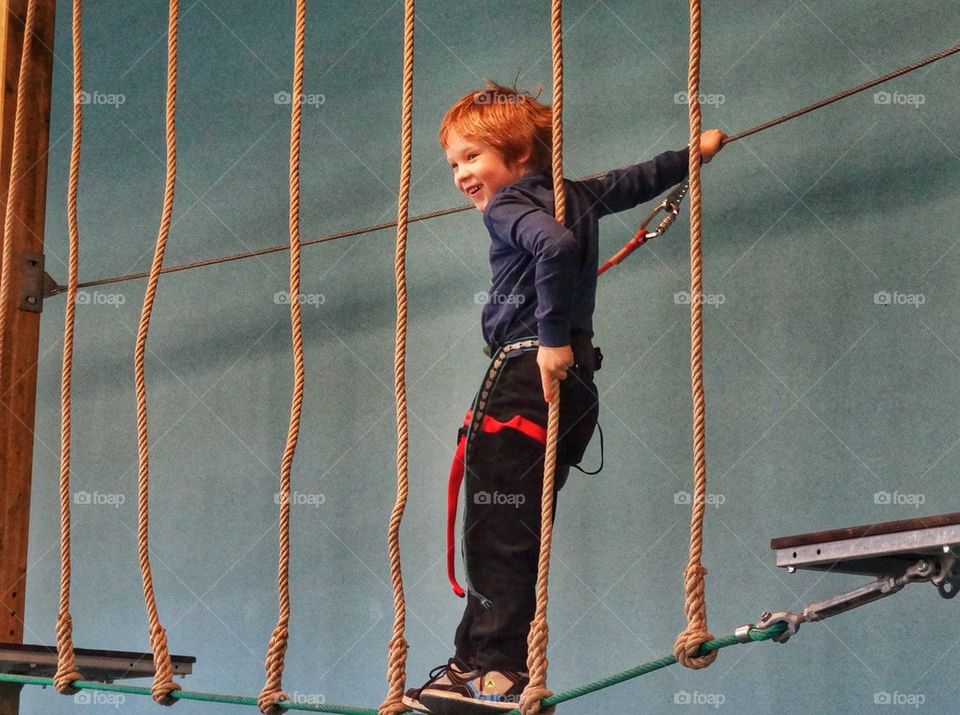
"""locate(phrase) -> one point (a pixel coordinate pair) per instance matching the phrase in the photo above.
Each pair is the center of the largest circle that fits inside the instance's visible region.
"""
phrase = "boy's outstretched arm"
(622, 189)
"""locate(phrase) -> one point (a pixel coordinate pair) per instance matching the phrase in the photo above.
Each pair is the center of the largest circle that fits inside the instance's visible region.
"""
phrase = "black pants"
(503, 485)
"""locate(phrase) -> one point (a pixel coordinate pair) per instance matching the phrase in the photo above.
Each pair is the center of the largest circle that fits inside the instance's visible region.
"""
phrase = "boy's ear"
(524, 158)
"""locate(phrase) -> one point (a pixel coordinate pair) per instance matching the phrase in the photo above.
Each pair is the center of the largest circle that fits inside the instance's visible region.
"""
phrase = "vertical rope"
(539, 634)
(14, 186)
(397, 658)
(687, 647)
(66, 662)
(163, 683)
(272, 692)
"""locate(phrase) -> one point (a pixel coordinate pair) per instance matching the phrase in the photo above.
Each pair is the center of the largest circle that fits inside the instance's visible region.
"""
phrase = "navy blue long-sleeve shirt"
(544, 274)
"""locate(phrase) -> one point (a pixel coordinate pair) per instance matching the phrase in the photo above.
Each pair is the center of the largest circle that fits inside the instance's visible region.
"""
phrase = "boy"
(538, 325)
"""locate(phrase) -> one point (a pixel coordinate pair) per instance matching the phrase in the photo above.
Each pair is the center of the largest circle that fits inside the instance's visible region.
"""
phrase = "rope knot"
(688, 648)
(66, 663)
(269, 701)
(63, 679)
(393, 707)
(396, 676)
(531, 698)
(163, 685)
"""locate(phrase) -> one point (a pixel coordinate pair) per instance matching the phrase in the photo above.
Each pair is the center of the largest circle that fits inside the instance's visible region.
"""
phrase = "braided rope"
(14, 186)
(163, 683)
(539, 635)
(397, 658)
(66, 662)
(688, 646)
(272, 693)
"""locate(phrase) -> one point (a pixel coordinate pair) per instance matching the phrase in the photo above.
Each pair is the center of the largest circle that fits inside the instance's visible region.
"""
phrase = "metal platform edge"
(102, 665)
(870, 554)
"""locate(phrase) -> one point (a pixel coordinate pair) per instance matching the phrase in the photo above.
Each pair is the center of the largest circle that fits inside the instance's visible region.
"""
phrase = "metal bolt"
(31, 300)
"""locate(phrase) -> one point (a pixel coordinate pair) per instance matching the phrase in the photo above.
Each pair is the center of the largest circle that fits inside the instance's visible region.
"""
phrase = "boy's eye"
(472, 156)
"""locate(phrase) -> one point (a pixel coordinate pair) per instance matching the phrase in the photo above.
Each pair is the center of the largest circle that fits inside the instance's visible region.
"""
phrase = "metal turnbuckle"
(941, 571)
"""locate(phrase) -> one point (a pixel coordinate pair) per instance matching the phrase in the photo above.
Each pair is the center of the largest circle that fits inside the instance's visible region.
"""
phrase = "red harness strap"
(490, 425)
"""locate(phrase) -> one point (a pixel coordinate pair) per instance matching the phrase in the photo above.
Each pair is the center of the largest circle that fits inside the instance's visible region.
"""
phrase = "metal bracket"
(32, 282)
(940, 570)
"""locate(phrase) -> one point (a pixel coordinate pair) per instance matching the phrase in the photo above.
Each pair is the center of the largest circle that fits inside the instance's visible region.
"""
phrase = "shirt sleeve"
(623, 189)
(526, 226)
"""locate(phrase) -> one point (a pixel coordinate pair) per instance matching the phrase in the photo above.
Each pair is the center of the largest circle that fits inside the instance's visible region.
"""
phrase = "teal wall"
(818, 399)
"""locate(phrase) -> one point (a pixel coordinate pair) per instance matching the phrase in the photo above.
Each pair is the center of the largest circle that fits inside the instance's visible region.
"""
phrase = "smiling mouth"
(473, 192)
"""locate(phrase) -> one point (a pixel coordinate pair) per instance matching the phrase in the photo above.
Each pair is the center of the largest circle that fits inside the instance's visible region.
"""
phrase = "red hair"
(511, 121)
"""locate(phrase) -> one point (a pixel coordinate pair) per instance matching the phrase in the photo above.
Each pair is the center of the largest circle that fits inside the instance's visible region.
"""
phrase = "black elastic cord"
(600, 468)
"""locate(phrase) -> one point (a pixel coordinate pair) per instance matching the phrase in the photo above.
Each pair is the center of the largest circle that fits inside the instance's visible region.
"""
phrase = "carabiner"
(669, 206)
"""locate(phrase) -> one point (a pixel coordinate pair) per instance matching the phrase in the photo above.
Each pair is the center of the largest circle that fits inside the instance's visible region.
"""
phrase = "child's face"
(479, 170)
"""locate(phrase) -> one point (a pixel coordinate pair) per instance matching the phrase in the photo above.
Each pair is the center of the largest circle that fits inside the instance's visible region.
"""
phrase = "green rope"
(187, 695)
(755, 634)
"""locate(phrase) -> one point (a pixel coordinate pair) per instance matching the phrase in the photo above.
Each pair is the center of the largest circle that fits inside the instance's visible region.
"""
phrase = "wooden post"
(18, 373)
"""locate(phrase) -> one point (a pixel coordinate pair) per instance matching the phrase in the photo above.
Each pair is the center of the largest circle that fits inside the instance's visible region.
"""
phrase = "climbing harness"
(477, 420)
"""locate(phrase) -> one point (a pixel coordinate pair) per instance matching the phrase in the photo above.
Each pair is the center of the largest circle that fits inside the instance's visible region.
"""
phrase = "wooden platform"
(102, 665)
(875, 549)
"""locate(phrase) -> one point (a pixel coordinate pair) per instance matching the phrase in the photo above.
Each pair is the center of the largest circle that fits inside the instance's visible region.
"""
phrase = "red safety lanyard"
(489, 425)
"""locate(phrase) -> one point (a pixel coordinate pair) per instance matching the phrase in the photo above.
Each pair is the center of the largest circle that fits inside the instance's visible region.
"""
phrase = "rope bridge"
(694, 648)
(753, 635)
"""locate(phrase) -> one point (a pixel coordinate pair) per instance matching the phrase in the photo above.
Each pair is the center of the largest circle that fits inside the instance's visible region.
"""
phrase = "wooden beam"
(18, 373)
